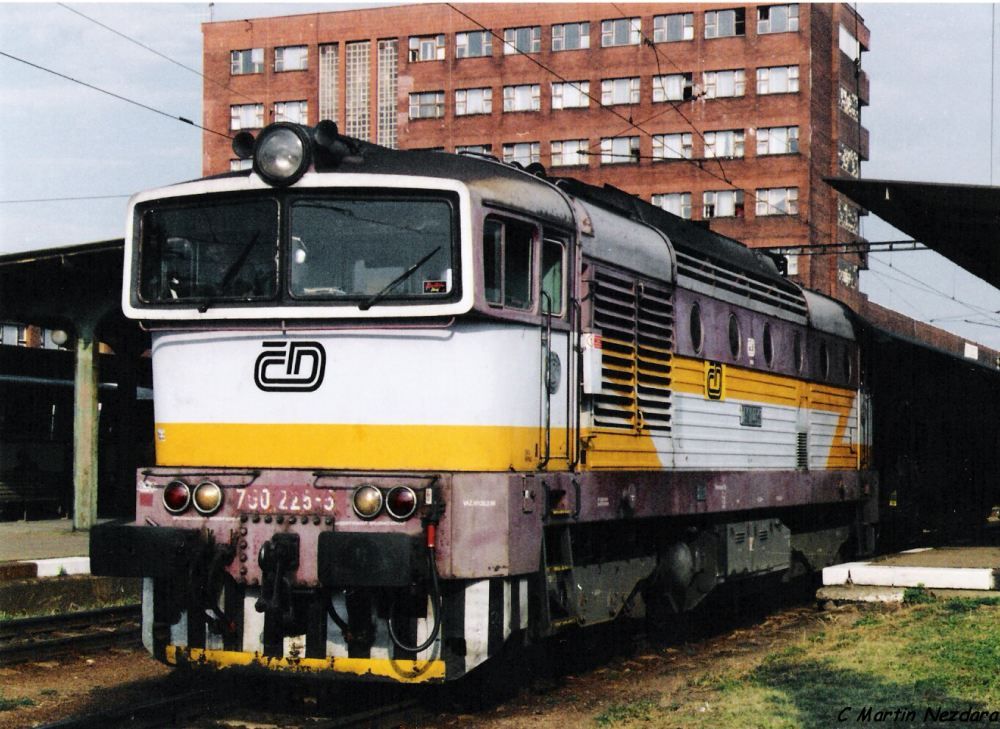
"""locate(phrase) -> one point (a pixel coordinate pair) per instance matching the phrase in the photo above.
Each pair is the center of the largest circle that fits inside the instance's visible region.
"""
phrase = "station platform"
(941, 571)
(46, 548)
(45, 568)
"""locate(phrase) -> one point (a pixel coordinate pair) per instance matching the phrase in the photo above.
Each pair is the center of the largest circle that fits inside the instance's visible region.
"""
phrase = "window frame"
(580, 144)
(500, 258)
(280, 50)
(256, 66)
(661, 34)
(608, 92)
(765, 206)
(610, 157)
(534, 152)
(739, 204)
(710, 80)
(486, 44)
(712, 23)
(510, 44)
(764, 135)
(486, 101)
(664, 145)
(436, 44)
(792, 78)
(609, 32)
(259, 116)
(583, 36)
(535, 91)
(737, 143)
(581, 88)
(661, 92)
(684, 198)
(792, 19)
(439, 104)
(303, 108)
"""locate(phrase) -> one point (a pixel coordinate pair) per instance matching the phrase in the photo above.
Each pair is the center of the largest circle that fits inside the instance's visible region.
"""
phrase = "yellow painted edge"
(397, 670)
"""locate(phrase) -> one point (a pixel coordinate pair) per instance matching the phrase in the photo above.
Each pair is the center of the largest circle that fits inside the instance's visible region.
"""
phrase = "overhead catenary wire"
(112, 94)
(130, 39)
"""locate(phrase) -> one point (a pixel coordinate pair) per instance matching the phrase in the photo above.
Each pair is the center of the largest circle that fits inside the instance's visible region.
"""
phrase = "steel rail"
(24, 639)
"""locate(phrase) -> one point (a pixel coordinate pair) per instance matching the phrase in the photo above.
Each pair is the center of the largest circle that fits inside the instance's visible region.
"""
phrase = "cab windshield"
(371, 248)
(364, 249)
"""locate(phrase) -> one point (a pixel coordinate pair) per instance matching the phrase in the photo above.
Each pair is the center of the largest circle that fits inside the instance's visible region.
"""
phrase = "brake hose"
(435, 607)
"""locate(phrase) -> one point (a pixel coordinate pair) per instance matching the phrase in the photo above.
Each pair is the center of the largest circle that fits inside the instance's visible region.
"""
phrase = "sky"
(929, 119)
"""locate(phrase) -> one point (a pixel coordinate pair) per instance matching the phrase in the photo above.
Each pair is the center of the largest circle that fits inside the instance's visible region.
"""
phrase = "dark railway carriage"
(411, 407)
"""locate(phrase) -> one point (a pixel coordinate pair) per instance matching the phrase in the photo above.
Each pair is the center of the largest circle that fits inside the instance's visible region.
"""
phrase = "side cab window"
(553, 278)
(508, 262)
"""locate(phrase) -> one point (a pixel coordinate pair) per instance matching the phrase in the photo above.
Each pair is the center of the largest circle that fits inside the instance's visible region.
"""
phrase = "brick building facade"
(730, 114)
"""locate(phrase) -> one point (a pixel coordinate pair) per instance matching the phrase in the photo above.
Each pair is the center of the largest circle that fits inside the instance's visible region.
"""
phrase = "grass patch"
(917, 595)
(643, 709)
(10, 704)
(928, 655)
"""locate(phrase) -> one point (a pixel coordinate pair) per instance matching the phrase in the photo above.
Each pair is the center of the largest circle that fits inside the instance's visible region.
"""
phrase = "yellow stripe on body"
(397, 670)
(380, 447)
(755, 387)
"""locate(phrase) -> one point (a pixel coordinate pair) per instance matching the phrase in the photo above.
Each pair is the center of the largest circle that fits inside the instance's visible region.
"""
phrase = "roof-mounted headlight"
(282, 154)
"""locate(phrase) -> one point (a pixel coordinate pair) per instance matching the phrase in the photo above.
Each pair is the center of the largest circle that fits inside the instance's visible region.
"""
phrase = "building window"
(849, 45)
(523, 153)
(674, 87)
(778, 80)
(728, 143)
(329, 68)
(620, 91)
(570, 152)
(571, 95)
(678, 203)
(722, 204)
(238, 165)
(619, 150)
(358, 101)
(571, 37)
(246, 116)
(671, 28)
(427, 105)
(672, 146)
(388, 63)
(296, 112)
(291, 58)
(22, 336)
(473, 101)
(723, 84)
(527, 97)
(777, 201)
(426, 48)
(725, 23)
(621, 32)
(777, 140)
(246, 61)
(522, 40)
(474, 148)
(473, 44)
(777, 19)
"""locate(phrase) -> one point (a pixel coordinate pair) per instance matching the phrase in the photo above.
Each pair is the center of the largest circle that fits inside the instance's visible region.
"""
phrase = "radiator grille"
(802, 451)
(636, 322)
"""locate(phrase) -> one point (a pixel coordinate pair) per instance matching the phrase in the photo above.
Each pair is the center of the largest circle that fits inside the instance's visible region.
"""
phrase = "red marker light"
(176, 497)
(401, 502)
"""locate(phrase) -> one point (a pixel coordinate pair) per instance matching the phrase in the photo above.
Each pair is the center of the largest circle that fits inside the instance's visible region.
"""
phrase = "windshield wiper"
(230, 275)
(370, 302)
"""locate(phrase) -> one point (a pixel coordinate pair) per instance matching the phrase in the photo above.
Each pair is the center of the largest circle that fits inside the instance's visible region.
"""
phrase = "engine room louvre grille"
(719, 277)
(636, 322)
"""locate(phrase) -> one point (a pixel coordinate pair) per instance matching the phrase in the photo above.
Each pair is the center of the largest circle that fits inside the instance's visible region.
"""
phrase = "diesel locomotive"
(414, 407)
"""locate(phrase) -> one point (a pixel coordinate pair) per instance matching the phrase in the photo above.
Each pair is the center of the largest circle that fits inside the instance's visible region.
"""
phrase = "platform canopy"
(961, 222)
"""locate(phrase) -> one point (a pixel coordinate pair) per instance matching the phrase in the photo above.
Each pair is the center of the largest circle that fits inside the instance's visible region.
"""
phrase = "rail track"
(38, 638)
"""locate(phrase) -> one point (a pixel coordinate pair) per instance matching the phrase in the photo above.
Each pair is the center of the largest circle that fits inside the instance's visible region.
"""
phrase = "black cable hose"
(435, 606)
